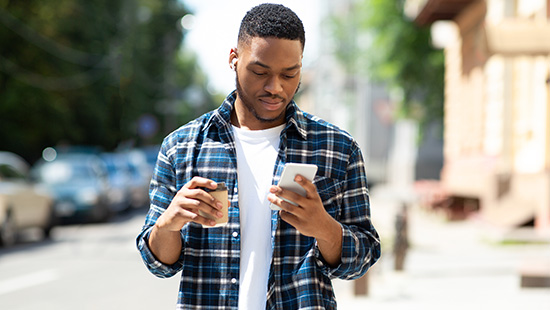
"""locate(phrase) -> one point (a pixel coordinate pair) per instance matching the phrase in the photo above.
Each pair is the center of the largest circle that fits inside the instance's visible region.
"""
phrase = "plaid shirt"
(299, 278)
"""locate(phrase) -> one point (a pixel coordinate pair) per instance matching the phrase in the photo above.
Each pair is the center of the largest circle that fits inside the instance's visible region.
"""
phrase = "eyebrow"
(258, 63)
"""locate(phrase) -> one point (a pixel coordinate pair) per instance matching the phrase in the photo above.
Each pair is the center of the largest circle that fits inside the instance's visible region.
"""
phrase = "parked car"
(140, 178)
(79, 184)
(23, 204)
(120, 180)
(151, 153)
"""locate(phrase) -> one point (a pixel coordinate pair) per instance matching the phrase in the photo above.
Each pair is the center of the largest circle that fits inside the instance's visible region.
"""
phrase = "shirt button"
(233, 280)
(235, 234)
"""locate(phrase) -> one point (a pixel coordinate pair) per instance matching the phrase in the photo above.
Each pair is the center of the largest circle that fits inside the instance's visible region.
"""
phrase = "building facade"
(497, 104)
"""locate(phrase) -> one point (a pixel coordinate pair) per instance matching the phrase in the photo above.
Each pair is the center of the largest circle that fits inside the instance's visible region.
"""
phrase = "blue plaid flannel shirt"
(299, 278)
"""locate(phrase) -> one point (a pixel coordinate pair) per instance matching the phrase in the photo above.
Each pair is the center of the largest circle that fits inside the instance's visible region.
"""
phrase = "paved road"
(84, 267)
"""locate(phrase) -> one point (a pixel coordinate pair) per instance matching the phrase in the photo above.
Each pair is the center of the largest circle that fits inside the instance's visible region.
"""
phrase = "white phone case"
(287, 179)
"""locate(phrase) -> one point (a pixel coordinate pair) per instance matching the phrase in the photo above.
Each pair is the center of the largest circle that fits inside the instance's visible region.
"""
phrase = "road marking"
(33, 279)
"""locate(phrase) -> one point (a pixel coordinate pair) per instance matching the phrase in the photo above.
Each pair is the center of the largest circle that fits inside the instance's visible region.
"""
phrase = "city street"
(92, 266)
(445, 103)
(450, 265)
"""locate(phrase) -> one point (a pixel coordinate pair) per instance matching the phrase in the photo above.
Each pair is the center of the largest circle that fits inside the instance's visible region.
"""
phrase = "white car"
(23, 204)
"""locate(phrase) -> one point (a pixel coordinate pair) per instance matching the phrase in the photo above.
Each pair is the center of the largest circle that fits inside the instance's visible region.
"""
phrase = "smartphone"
(287, 182)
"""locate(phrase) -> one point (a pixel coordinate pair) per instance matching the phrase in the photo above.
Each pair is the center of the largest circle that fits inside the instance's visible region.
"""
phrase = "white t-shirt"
(256, 155)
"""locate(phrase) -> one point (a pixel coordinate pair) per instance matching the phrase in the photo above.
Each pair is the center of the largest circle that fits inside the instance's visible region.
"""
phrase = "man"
(261, 259)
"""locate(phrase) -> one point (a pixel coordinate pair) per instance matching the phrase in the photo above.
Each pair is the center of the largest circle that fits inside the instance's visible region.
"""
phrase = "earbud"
(233, 62)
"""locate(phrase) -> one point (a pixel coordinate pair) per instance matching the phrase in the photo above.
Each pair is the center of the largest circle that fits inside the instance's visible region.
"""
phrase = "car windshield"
(65, 172)
(113, 165)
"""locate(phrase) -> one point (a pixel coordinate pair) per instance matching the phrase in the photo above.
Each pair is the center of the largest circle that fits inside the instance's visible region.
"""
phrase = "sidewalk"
(449, 265)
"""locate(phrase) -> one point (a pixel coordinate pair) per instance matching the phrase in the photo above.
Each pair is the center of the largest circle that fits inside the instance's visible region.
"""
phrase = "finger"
(274, 200)
(287, 194)
(200, 207)
(196, 218)
(215, 212)
(201, 182)
(182, 211)
(281, 203)
(311, 189)
(200, 195)
(289, 218)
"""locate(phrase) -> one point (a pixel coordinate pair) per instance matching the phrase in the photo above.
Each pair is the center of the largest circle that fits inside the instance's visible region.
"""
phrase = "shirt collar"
(294, 116)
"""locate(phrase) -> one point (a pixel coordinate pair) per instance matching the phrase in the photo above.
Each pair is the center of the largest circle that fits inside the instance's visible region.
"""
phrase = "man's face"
(268, 72)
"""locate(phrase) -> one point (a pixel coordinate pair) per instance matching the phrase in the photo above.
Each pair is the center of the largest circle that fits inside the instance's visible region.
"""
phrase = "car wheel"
(100, 214)
(8, 231)
(53, 221)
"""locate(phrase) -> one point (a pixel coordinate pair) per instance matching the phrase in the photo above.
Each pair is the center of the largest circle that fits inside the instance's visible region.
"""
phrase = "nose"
(273, 85)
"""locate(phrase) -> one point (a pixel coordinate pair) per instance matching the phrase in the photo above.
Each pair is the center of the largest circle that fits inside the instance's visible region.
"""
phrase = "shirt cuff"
(155, 266)
(347, 269)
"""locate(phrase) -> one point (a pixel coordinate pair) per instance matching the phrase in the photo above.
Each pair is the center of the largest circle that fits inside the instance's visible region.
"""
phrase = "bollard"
(401, 242)
(361, 286)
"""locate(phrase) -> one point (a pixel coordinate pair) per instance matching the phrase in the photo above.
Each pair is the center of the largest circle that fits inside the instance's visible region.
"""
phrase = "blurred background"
(448, 99)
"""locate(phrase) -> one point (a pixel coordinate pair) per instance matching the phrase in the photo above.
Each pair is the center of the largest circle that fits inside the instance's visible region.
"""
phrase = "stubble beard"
(249, 106)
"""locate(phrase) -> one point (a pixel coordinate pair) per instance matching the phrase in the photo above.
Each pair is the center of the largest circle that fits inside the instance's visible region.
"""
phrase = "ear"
(233, 57)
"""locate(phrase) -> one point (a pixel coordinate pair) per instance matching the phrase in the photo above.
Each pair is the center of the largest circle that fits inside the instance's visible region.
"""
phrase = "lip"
(272, 104)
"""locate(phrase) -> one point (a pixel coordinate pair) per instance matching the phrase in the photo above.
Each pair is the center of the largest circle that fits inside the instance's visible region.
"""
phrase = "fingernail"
(298, 178)
(219, 205)
(219, 214)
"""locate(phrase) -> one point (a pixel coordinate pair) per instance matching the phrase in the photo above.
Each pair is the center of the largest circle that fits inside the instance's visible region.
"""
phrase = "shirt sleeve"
(161, 192)
(360, 241)
(155, 266)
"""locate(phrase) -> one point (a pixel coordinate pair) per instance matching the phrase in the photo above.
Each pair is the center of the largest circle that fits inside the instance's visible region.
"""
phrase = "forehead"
(273, 52)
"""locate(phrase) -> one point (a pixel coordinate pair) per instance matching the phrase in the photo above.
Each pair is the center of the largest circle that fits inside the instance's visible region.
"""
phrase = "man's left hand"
(310, 218)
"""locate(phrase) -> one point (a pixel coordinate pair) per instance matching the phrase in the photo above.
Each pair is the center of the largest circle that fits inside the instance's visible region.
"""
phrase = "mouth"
(272, 103)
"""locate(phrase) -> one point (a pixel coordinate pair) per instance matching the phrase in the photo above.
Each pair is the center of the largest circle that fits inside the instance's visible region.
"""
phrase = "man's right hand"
(185, 206)
(165, 238)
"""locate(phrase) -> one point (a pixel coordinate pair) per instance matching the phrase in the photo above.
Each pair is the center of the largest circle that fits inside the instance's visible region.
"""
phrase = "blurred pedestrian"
(262, 259)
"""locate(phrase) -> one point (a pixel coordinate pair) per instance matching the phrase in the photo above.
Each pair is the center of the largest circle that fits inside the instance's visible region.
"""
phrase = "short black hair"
(272, 20)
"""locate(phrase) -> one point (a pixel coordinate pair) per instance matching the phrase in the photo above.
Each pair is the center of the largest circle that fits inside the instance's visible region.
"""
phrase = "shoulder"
(186, 135)
(320, 130)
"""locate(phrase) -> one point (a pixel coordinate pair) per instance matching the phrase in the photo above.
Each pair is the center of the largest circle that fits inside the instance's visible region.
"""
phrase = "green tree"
(378, 40)
(85, 72)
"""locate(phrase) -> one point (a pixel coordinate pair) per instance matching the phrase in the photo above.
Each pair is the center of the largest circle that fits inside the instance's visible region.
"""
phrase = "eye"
(290, 74)
(258, 73)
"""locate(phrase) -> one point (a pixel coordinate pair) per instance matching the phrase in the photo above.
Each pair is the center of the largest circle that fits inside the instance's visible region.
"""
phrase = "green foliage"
(379, 41)
(84, 72)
